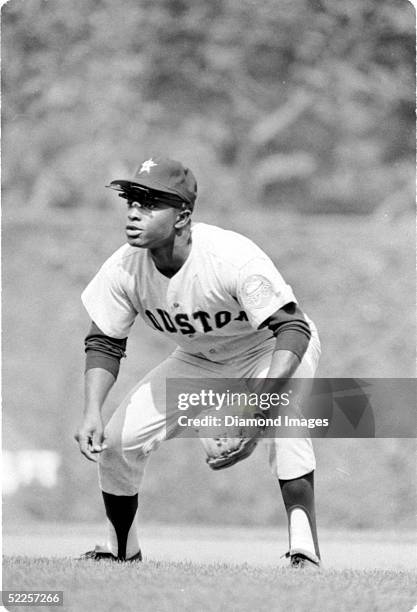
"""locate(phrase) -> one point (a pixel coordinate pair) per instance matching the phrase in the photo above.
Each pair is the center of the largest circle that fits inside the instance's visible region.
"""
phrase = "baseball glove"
(225, 452)
(234, 443)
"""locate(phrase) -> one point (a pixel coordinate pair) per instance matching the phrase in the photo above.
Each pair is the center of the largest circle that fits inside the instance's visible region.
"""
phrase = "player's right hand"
(90, 437)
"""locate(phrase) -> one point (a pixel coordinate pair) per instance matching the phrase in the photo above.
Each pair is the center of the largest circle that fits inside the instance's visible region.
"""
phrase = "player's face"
(150, 226)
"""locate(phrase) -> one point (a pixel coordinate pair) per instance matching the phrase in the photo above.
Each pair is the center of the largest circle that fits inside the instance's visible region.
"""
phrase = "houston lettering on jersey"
(162, 321)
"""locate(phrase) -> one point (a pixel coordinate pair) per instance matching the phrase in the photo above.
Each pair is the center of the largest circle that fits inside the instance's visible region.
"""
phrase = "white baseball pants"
(143, 420)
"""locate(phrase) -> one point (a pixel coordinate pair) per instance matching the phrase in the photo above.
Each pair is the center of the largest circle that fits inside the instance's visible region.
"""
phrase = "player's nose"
(134, 212)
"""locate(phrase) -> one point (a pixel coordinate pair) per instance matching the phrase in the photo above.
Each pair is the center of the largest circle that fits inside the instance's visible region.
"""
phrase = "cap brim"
(149, 184)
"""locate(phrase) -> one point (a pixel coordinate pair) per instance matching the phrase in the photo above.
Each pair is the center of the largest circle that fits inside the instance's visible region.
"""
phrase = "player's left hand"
(90, 437)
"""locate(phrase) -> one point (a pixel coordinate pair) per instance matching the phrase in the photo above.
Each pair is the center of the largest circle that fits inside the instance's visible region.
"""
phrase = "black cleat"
(101, 555)
(303, 560)
(95, 555)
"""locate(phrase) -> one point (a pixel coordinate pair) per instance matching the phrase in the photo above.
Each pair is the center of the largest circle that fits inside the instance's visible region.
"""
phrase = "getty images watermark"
(321, 407)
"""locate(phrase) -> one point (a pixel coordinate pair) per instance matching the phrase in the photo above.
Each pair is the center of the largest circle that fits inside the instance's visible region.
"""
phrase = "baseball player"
(220, 298)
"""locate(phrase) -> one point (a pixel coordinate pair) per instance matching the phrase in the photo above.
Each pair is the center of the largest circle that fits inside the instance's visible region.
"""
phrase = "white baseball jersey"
(212, 307)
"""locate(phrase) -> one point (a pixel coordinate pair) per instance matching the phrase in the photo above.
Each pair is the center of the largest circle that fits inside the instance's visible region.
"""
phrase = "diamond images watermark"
(322, 407)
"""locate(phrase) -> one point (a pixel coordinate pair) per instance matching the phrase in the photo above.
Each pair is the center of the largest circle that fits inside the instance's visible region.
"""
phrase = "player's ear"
(183, 217)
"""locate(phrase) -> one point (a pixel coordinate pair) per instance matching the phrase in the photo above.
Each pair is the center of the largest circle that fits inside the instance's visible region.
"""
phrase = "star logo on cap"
(147, 165)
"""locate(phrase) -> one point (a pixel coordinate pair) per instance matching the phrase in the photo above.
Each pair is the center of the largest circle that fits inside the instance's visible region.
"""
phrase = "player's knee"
(109, 458)
(113, 452)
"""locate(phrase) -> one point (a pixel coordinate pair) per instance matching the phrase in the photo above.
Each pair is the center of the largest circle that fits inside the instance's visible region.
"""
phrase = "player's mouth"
(132, 231)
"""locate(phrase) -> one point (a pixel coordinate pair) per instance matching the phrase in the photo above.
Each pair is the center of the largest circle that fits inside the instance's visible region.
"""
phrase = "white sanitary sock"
(300, 531)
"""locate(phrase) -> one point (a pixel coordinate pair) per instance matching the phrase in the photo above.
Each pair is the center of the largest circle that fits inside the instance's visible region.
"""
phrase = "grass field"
(208, 569)
(159, 585)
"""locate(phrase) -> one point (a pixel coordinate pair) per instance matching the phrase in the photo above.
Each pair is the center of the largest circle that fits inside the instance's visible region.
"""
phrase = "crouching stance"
(231, 315)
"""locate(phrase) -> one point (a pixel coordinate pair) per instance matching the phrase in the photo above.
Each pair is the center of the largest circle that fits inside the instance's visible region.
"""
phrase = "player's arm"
(292, 333)
(103, 355)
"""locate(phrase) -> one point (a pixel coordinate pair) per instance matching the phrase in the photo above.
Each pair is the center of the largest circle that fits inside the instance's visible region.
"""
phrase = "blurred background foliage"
(307, 105)
(297, 118)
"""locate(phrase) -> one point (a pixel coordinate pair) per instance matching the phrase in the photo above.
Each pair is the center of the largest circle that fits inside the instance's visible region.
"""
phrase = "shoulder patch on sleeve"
(257, 291)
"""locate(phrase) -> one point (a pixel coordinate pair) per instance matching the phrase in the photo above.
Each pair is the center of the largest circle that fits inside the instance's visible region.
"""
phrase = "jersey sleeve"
(261, 290)
(108, 304)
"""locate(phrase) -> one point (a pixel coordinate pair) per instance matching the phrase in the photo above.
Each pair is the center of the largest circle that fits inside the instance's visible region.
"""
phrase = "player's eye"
(145, 205)
(150, 205)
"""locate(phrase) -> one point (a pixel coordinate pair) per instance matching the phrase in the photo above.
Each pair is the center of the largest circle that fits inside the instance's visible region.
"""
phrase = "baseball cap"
(165, 175)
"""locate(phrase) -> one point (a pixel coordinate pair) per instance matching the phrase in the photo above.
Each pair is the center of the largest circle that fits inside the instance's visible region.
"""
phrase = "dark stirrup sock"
(298, 493)
(121, 510)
